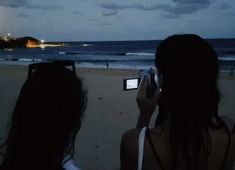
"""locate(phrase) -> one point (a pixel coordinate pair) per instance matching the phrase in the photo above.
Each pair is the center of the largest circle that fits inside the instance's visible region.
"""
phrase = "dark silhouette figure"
(189, 134)
(46, 118)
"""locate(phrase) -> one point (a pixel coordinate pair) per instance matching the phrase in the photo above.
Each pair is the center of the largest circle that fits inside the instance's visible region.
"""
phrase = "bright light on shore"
(42, 41)
(8, 34)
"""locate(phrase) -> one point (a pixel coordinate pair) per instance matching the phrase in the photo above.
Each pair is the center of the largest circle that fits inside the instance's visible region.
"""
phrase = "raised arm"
(146, 105)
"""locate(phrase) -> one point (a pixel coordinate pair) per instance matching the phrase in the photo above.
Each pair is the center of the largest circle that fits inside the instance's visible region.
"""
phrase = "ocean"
(115, 54)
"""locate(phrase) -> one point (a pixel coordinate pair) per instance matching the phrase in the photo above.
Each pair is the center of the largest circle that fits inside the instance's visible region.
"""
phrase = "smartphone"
(131, 83)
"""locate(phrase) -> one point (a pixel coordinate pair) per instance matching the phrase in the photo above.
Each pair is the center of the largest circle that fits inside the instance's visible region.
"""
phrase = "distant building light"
(42, 41)
(8, 34)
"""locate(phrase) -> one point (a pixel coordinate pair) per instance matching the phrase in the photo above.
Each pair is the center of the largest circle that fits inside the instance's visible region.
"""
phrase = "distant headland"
(24, 42)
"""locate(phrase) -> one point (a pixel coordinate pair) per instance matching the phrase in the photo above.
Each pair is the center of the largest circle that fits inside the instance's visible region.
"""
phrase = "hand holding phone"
(147, 97)
(152, 81)
(151, 86)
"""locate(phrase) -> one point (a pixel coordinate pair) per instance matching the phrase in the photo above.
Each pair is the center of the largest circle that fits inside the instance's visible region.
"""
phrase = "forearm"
(143, 120)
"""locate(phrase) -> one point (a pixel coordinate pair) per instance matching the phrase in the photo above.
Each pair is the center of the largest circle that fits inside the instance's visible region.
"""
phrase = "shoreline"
(91, 65)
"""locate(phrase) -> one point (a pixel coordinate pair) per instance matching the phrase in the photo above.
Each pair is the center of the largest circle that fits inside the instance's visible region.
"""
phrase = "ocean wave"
(91, 53)
(105, 53)
(140, 54)
(86, 45)
(231, 58)
(23, 59)
(114, 60)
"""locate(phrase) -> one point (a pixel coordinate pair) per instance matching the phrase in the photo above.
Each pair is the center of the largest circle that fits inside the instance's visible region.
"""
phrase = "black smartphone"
(131, 83)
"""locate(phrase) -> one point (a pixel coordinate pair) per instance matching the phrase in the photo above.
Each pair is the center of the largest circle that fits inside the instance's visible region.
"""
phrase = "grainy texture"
(110, 111)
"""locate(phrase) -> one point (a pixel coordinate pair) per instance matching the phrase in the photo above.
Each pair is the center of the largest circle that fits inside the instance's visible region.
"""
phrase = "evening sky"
(95, 20)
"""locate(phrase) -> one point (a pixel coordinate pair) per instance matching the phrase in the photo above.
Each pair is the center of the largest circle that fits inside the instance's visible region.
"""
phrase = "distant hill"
(22, 42)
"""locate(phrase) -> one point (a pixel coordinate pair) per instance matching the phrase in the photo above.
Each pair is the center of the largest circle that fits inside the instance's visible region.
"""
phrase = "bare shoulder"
(131, 135)
(130, 140)
(129, 149)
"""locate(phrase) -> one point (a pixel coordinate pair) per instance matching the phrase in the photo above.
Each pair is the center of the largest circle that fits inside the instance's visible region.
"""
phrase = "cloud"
(107, 13)
(171, 16)
(13, 3)
(229, 13)
(114, 6)
(26, 4)
(44, 7)
(151, 8)
(22, 15)
(105, 24)
(186, 8)
(77, 12)
(178, 7)
(192, 1)
(224, 6)
(91, 19)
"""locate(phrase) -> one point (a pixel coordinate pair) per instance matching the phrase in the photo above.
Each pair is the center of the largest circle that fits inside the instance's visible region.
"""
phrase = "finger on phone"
(142, 87)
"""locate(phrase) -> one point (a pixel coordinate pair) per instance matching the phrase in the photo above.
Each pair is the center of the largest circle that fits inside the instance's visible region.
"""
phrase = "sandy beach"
(110, 110)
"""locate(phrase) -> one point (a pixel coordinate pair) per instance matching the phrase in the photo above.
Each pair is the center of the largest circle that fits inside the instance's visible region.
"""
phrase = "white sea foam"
(86, 45)
(62, 52)
(111, 65)
(140, 54)
(25, 60)
(227, 58)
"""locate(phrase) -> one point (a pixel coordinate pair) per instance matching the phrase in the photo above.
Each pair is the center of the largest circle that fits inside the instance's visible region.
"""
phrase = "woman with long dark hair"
(46, 119)
(189, 134)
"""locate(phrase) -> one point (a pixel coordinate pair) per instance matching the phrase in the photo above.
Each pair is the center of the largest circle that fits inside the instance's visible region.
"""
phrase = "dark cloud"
(26, 4)
(13, 3)
(108, 13)
(178, 7)
(186, 8)
(192, 1)
(151, 8)
(114, 6)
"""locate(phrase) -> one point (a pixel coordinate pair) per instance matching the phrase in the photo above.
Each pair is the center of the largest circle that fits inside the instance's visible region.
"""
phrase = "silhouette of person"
(46, 119)
(189, 134)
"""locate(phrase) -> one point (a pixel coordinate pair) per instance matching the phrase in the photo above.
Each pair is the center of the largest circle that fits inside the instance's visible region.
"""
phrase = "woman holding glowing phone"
(189, 133)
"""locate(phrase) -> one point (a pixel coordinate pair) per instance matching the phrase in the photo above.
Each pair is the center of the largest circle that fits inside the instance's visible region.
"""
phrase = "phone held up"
(152, 79)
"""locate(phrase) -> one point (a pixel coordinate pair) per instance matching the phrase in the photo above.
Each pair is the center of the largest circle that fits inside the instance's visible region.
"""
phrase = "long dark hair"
(188, 68)
(46, 119)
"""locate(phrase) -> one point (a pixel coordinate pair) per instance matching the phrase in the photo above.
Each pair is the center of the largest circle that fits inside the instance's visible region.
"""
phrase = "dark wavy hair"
(45, 121)
(188, 68)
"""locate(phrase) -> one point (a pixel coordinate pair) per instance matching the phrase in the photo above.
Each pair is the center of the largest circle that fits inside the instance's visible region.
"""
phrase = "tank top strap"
(141, 147)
